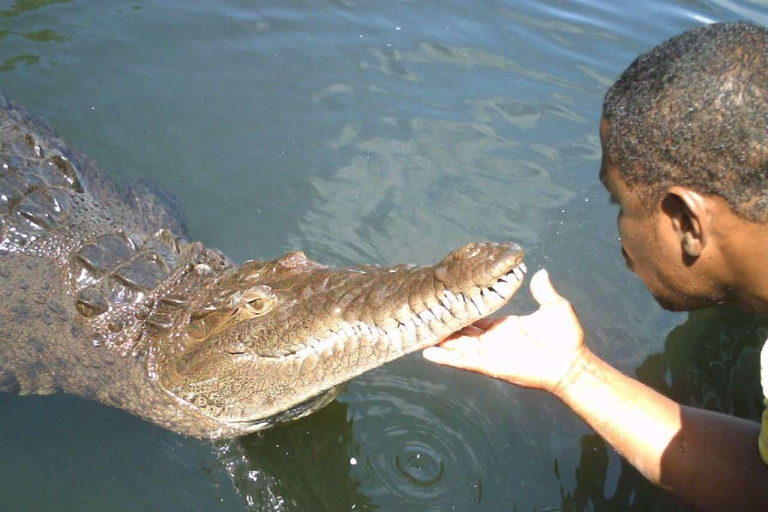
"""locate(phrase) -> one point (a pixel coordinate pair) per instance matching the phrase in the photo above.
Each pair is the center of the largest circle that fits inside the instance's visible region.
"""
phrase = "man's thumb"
(542, 289)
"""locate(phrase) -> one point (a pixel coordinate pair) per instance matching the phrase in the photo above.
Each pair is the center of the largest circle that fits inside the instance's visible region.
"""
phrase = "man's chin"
(680, 303)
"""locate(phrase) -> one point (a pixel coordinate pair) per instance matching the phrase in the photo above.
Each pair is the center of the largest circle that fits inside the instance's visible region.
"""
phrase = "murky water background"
(368, 132)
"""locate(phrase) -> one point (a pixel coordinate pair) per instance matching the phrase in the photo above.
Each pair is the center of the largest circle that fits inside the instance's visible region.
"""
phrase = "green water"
(368, 132)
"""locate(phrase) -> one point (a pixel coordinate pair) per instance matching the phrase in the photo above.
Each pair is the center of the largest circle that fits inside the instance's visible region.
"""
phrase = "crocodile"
(104, 296)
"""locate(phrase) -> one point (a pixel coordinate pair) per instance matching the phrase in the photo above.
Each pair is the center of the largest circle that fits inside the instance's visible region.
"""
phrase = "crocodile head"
(274, 340)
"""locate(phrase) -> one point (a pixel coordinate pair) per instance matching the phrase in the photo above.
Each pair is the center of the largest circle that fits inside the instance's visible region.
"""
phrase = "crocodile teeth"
(451, 305)
(478, 302)
(427, 316)
(440, 311)
(410, 328)
(502, 287)
(395, 340)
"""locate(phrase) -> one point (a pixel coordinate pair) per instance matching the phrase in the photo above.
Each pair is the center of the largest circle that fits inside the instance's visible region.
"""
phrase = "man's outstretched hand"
(538, 350)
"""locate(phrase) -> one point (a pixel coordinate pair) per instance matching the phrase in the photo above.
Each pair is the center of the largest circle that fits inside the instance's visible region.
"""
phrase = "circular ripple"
(419, 444)
(421, 465)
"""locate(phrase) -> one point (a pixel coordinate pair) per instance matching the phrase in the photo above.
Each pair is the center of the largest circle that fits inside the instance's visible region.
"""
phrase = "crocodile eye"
(258, 304)
(258, 300)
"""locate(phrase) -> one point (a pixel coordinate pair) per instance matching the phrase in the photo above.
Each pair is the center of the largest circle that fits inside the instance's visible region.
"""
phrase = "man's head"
(685, 153)
(693, 112)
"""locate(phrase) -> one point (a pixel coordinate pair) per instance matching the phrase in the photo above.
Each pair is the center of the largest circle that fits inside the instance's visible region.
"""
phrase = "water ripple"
(421, 445)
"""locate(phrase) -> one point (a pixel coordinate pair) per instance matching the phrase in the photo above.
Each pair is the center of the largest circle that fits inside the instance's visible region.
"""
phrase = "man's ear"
(688, 212)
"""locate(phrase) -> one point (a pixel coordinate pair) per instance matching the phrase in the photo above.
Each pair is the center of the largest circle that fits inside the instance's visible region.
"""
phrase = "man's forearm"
(708, 460)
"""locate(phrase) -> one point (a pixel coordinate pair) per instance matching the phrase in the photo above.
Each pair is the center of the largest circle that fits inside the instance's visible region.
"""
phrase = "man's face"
(651, 246)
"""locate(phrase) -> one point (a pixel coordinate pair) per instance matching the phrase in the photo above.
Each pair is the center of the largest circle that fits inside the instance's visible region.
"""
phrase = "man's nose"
(627, 260)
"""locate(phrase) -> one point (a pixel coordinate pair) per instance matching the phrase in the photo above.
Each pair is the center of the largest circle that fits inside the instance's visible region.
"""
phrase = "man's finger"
(461, 343)
(448, 357)
(542, 289)
(440, 355)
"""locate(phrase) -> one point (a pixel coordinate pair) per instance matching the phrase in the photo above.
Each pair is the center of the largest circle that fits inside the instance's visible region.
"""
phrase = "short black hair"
(693, 111)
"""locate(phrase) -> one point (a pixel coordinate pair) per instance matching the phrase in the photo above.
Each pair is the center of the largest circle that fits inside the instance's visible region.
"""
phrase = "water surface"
(368, 132)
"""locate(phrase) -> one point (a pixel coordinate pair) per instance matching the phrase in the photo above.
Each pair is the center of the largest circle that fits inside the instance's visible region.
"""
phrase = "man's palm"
(537, 350)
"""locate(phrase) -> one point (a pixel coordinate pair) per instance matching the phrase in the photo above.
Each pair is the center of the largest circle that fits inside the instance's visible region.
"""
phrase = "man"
(684, 133)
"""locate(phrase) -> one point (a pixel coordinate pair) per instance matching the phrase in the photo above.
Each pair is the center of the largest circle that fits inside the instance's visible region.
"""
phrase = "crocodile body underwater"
(103, 296)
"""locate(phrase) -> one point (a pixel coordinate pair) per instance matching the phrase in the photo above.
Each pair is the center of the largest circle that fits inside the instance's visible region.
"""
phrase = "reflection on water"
(712, 361)
(21, 6)
(364, 132)
(11, 63)
(8, 37)
(41, 36)
(605, 483)
(297, 467)
(379, 194)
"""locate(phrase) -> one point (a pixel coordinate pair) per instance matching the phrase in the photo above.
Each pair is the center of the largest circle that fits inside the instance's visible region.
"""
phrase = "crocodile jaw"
(331, 325)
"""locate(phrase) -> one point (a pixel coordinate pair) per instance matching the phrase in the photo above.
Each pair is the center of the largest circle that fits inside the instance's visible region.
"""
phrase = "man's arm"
(708, 460)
